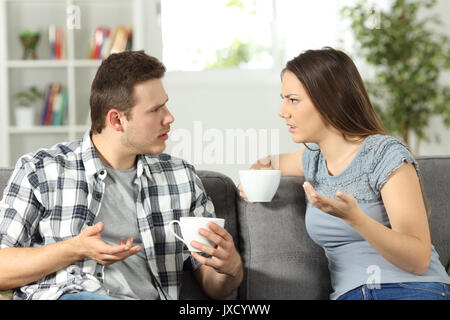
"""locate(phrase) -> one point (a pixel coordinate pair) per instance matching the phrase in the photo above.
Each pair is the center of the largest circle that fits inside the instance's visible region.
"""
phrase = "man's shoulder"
(61, 154)
(168, 162)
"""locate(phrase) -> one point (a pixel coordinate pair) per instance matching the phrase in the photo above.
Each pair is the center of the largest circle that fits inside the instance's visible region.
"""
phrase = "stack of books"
(57, 41)
(55, 105)
(105, 42)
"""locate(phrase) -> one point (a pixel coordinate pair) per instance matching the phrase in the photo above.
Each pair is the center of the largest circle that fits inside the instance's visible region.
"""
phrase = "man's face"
(146, 130)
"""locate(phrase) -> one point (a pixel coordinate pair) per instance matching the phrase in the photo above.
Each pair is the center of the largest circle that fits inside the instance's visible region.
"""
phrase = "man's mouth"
(165, 135)
(165, 132)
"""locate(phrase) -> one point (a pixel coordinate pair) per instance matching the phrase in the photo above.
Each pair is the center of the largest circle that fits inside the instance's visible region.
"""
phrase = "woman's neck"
(339, 152)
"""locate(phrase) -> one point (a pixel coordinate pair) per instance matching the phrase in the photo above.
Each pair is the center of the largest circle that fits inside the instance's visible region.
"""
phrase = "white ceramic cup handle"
(171, 223)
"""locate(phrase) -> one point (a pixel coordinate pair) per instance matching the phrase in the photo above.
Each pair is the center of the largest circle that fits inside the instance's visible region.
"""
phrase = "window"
(206, 34)
(248, 34)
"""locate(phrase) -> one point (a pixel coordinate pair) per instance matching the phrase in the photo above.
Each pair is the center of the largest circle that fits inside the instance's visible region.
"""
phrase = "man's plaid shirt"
(55, 193)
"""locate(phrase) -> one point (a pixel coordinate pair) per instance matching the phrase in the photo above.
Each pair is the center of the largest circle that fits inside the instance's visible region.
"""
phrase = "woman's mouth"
(292, 129)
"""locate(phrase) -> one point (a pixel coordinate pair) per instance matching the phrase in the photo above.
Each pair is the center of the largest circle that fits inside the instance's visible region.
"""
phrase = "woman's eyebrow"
(288, 95)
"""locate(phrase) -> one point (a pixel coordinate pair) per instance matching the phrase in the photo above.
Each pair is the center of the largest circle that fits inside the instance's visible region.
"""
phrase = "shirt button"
(99, 274)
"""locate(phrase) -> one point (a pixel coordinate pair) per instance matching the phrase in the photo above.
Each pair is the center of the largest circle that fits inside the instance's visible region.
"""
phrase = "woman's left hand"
(344, 206)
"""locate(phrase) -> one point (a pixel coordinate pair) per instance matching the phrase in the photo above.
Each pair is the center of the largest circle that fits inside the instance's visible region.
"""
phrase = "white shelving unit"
(75, 73)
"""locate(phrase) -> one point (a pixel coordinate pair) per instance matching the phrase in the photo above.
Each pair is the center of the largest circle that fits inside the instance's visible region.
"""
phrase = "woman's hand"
(344, 206)
(261, 164)
(242, 194)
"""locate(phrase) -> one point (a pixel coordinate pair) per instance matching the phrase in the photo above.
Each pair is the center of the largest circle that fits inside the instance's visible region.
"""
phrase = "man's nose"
(168, 118)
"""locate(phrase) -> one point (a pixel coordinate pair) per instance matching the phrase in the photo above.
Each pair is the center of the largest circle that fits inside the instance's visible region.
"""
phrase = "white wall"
(233, 100)
(224, 101)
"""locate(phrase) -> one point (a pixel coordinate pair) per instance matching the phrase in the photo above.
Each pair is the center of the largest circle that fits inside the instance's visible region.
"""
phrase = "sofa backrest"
(436, 181)
(223, 194)
(281, 260)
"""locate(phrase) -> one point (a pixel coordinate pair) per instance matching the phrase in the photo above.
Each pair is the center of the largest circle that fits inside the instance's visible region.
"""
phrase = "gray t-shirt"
(352, 261)
(130, 278)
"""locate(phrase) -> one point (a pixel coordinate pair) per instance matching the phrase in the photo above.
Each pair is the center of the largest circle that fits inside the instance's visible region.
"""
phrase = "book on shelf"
(105, 41)
(57, 40)
(55, 105)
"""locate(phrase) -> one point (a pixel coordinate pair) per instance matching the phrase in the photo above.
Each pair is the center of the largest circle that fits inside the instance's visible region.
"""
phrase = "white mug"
(189, 230)
(260, 185)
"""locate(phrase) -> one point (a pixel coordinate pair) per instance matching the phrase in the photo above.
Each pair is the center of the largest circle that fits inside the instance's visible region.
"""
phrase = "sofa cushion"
(281, 261)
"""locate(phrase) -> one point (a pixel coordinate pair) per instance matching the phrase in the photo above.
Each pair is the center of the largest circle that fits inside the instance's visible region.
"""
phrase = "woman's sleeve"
(390, 155)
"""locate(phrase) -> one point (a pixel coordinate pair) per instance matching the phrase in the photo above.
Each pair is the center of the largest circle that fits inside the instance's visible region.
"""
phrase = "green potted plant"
(29, 39)
(25, 106)
(408, 58)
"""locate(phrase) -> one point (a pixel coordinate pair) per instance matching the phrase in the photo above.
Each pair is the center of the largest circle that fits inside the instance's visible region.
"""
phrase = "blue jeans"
(400, 291)
(85, 295)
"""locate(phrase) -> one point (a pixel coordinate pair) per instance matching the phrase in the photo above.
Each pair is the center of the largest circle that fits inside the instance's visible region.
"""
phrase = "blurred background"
(224, 59)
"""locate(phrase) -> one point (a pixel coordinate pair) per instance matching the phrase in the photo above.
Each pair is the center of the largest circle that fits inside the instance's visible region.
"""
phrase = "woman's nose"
(283, 113)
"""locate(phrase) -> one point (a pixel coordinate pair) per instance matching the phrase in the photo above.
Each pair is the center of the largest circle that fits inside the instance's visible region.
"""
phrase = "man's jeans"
(400, 291)
(85, 295)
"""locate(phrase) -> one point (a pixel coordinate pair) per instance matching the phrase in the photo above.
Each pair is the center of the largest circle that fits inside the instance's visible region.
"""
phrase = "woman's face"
(302, 117)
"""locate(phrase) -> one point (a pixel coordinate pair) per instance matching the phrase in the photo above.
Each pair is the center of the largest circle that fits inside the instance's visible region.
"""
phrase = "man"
(67, 210)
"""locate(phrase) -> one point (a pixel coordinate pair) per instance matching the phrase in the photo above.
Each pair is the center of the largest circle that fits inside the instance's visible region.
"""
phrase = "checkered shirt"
(55, 193)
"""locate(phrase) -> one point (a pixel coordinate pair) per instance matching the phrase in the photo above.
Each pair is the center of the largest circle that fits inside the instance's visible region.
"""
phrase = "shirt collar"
(93, 165)
(91, 161)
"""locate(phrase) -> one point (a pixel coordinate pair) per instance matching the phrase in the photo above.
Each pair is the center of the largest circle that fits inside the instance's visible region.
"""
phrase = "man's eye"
(156, 110)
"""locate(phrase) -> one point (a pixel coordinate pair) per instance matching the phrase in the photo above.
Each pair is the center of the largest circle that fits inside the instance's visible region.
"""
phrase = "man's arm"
(20, 266)
(222, 272)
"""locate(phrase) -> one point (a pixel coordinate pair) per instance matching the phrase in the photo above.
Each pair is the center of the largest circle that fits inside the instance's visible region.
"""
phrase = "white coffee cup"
(189, 230)
(260, 185)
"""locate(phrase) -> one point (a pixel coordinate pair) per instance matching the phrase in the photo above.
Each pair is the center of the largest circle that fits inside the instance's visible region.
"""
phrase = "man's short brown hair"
(114, 82)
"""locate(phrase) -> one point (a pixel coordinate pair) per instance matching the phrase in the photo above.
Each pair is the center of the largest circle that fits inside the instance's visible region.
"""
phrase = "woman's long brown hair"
(337, 90)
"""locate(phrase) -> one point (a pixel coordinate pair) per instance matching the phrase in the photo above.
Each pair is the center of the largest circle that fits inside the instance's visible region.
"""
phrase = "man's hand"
(224, 257)
(89, 244)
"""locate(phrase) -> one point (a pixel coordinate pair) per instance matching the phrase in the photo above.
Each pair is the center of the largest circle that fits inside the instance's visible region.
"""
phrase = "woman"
(365, 204)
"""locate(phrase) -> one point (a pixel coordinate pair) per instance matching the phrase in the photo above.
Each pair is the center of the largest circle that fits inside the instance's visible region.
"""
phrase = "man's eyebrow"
(160, 105)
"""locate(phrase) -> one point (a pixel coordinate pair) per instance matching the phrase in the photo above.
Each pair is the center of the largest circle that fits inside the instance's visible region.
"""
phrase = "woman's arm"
(290, 163)
(407, 245)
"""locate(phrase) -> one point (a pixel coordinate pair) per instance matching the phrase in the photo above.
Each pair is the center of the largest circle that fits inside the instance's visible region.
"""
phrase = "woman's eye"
(293, 101)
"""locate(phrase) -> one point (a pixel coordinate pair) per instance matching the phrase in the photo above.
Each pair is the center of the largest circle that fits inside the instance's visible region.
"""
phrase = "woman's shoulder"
(379, 146)
(385, 154)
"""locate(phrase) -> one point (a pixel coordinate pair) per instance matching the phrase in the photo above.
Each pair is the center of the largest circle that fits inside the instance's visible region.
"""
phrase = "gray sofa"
(280, 260)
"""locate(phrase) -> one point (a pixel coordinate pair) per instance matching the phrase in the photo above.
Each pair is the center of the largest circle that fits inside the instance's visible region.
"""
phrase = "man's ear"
(113, 120)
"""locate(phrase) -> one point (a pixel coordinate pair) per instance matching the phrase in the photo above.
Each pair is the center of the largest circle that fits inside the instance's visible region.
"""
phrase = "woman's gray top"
(352, 261)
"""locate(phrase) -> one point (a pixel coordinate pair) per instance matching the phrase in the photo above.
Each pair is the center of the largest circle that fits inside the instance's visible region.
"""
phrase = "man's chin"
(155, 150)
